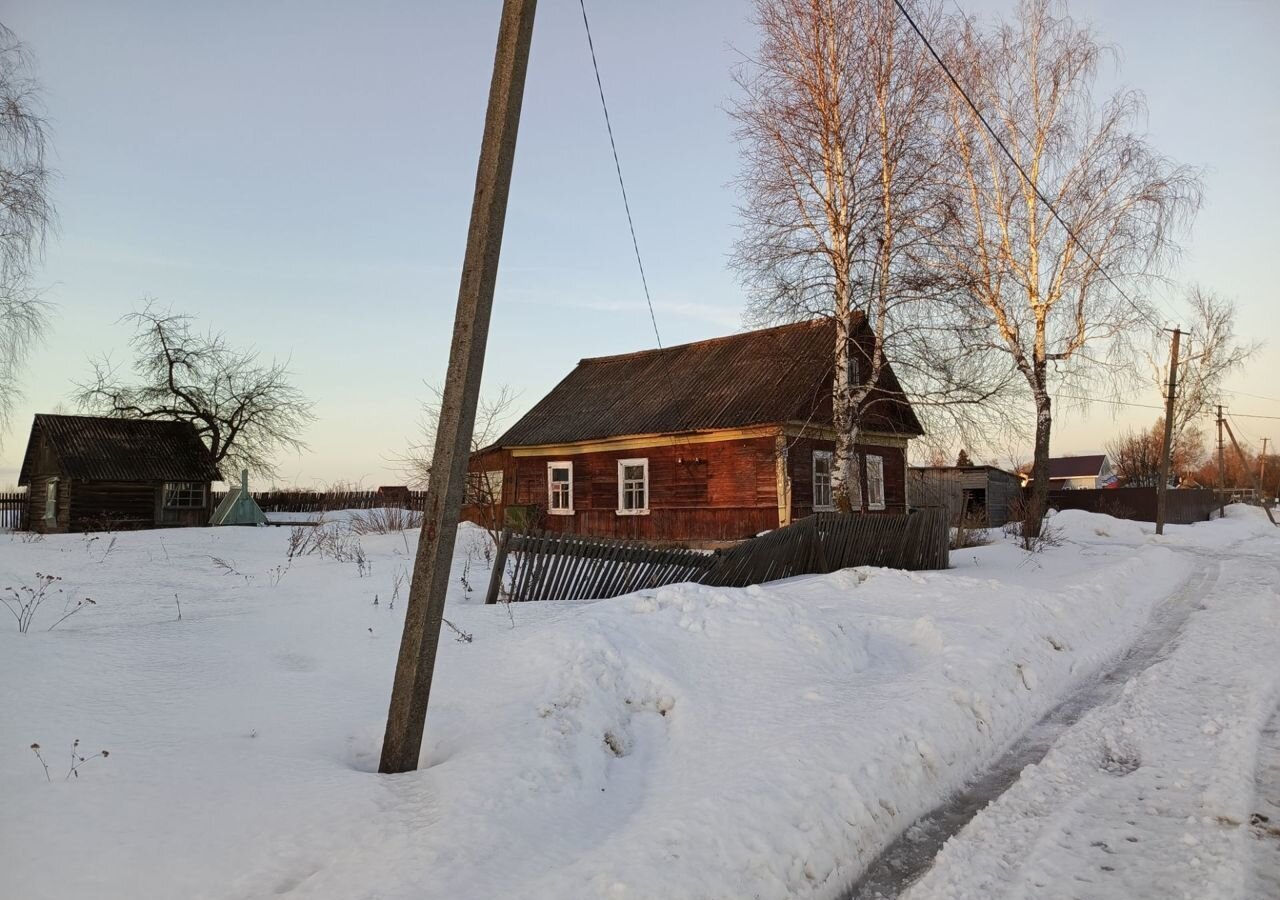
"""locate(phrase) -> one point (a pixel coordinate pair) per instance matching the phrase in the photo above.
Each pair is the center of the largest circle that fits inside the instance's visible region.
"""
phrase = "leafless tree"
(1062, 307)
(1135, 455)
(246, 410)
(484, 486)
(837, 120)
(26, 215)
(1210, 356)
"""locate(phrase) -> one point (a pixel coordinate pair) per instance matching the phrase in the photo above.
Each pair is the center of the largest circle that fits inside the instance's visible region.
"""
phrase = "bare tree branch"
(246, 410)
(26, 215)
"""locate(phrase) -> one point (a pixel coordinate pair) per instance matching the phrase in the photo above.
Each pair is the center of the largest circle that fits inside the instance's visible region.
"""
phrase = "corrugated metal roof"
(770, 376)
(1076, 466)
(95, 448)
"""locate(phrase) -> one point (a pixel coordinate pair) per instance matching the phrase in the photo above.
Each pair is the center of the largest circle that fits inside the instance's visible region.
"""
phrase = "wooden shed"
(979, 493)
(711, 441)
(87, 473)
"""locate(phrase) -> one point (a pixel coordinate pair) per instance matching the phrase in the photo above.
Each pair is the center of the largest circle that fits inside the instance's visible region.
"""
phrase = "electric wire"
(1145, 314)
(618, 166)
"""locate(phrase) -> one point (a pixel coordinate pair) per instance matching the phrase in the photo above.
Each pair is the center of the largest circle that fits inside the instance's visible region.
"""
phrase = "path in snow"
(1265, 821)
(1151, 794)
(904, 861)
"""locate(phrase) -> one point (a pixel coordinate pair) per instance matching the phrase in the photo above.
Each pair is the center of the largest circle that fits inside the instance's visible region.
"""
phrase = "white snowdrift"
(686, 742)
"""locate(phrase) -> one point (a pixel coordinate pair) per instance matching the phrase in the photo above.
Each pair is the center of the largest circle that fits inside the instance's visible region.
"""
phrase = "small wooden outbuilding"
(86, 473)
(980, 494)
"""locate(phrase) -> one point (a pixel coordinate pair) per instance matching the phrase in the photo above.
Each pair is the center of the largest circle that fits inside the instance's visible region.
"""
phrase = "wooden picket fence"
(13, 511)
(324, 501)
(556, 566)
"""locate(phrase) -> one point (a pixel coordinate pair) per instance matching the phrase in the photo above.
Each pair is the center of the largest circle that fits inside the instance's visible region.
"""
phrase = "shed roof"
(774, 375)
(1076, 466)
(97, 448)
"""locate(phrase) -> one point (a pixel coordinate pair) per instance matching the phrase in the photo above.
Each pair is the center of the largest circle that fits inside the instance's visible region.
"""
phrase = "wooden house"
(1078, 473)
(711, 441)
(88, 473)
(979, 495)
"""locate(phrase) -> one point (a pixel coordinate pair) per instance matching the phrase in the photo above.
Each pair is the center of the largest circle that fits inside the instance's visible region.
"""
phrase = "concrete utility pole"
(1162, 487)
(425, 610)
(1222, 469)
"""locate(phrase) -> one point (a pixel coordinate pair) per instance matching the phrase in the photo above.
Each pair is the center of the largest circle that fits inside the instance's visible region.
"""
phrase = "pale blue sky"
(299, 175)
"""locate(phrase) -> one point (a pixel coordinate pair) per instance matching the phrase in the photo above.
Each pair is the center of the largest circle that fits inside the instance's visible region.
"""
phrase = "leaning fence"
(541, 565)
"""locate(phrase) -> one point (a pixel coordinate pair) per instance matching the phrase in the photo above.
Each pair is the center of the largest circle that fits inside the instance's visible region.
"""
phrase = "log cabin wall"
(122, 504)
(800, 469)
(705, 491)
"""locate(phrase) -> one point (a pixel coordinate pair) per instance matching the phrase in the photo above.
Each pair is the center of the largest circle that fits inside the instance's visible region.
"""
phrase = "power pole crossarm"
(424, 612)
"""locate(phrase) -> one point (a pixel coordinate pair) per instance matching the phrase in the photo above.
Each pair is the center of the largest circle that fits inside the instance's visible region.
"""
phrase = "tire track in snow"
(906, 859)
(1264, 824)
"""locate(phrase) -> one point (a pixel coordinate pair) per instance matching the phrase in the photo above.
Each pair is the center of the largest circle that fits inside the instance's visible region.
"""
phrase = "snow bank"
(684, 742)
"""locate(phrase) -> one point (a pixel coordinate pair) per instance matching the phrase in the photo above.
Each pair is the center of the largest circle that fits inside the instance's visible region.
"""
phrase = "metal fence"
(553, 566)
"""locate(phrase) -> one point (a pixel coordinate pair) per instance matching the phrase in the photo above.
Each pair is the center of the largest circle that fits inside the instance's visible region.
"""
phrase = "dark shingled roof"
(1075, 466)
(763, 377)
(93, 448)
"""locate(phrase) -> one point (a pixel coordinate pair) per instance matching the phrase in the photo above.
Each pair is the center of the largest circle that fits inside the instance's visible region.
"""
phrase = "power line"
(618, 166)
(1149, 406)
(1017, 165)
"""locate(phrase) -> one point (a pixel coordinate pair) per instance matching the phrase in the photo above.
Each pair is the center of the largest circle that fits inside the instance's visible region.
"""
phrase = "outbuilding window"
(822, 499)
(184, 495)
(51, 500)
(633, 487)
(560, 488)
(875, 482)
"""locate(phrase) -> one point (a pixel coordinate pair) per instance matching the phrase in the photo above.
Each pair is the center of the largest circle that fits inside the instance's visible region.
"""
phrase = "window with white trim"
(183, 495)
(875, 482)
(633, 487)
(822, 498)
(51, 500)
(560, 488)
(483, 488)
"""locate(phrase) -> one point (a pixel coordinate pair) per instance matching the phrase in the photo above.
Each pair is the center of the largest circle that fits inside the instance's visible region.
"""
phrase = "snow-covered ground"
(685, 742)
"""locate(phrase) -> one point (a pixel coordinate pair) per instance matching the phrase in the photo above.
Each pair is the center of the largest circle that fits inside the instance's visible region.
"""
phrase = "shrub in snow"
(76, 760)
(24, 601)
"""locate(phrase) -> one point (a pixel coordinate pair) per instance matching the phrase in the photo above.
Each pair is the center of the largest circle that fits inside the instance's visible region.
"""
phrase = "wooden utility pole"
(1162, 486)
(1222, 469)
(1262, 466)
(425, 609)
(1244, 466)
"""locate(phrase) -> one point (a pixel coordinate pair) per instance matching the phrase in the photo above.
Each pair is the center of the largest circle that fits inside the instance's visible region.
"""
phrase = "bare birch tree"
(1060, 306)
(837, 121)
(26, 215)
(1211, 355)
(247, 411)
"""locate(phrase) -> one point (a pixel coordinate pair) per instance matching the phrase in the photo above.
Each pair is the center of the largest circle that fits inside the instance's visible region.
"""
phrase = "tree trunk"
(1038, 502)
(844, 470)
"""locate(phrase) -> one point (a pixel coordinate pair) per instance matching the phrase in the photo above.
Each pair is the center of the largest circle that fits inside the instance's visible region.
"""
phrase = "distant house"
(86, 472)
(1075, 473)
(715, 440)
(980, 495)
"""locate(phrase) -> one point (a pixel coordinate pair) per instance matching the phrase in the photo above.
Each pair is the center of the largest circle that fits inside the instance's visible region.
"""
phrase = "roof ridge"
(722, 339)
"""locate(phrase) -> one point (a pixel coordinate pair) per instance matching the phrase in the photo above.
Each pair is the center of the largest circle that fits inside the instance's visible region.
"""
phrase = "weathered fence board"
(324, 501)
(555, 566)
(13, 511)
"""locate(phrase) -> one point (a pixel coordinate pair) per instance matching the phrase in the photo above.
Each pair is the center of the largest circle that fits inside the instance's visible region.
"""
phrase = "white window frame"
(830, 458)
(551, 510)
(185, 490)
(51, 500)
(622, 464)
(875, 485)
